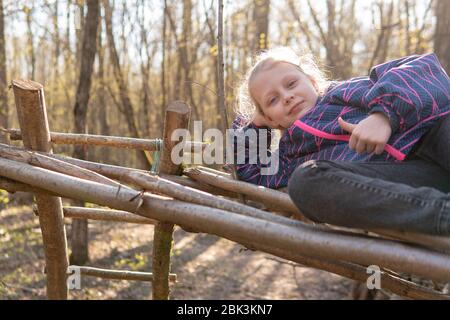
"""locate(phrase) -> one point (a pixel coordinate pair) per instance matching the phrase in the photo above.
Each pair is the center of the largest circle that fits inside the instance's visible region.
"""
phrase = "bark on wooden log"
(32, 114)
(117, 172)
(188, 182)
(104, 215)
(106, 141)
(305, 241)
(214, 171)
(269, 197)
(174, 190)
(13, 186)
(433, 242)
(177, 117)
(119, 274)
(51, 163)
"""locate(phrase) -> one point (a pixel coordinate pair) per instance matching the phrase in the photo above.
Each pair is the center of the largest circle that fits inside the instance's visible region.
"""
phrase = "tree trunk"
(127, 107)
(214, 65)
(186, 57)
(80, 252)
(442, 33)
(32, 55)
(163, 69)
(4, 110)
(149, 118)
(261, 12)
(101, 96)
(57, 51)
(79, 29)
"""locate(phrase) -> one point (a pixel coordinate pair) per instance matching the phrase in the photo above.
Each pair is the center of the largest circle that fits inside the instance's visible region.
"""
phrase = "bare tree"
(163, 66)
(126, 106)
(80, 252)
(146, 53)
(4, 111)
(442, 33)
(385, 31)
(183, 80)
(338, 37)
(211, 23)
(101, 93)
(79, 29)
(32, 54)
(261, 10)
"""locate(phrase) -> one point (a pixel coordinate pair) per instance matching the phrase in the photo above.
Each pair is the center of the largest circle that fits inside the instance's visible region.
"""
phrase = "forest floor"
(207, 266)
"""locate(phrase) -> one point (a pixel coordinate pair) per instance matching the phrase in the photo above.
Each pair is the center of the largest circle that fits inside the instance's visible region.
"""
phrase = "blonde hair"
(246, 106)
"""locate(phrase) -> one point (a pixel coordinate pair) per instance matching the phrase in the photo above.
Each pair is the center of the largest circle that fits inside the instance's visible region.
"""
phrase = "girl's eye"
(292, 83)
(272, 100)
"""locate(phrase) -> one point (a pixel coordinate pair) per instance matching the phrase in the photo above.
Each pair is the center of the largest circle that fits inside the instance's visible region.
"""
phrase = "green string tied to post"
(156, 156)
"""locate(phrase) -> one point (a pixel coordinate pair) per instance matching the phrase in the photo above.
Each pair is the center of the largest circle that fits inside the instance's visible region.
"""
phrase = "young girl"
(357, 152)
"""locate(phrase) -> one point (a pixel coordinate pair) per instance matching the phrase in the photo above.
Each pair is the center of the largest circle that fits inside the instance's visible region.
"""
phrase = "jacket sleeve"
(408, 90)
(255, 163)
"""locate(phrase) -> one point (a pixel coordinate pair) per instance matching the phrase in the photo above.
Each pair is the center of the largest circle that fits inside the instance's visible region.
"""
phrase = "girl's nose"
(288, 98)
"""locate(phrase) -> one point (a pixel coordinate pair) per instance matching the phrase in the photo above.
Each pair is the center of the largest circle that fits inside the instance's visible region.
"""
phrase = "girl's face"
(283, 92)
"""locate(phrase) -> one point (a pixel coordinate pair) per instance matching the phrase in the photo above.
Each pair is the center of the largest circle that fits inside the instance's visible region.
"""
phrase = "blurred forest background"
(150, 52)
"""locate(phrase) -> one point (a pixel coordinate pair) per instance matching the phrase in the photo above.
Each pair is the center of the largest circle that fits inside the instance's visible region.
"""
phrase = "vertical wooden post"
(177, 117)
(31, 110)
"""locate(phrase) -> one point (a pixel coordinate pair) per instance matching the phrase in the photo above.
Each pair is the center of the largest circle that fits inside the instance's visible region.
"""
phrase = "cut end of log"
(27, 85)
(179, 107)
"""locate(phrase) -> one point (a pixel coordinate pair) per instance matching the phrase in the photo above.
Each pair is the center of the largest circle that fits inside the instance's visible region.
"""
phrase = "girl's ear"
(314, 83)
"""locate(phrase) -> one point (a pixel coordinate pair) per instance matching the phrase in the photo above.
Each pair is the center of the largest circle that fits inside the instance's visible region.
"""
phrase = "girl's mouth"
(296, 108)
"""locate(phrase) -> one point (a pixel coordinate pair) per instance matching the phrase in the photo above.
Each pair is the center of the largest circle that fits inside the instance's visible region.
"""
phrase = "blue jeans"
(411, 195)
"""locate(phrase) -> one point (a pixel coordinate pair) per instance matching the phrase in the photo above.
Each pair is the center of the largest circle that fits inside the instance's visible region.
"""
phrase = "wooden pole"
(221, 86)
(162, 186)
(31, 110)
(106, 141)
(177, 117)
(13, 186)
(104, 215)
(120, 274)
(271, 198)
(51, 163)
(117, 172)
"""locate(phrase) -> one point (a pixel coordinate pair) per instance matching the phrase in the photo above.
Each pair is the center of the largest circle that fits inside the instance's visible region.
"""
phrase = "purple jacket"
(412, 91)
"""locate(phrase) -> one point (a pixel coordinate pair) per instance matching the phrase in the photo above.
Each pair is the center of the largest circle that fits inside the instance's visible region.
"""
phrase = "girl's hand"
(370, 135)
(261, 120)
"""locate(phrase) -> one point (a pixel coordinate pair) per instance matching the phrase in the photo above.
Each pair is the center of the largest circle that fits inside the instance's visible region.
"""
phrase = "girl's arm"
(408, 90)
(255, 163)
